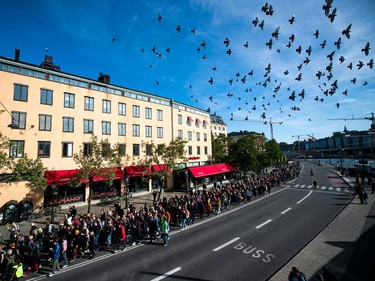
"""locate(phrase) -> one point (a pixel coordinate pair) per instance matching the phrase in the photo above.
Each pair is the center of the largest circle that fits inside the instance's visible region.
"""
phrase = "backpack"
(301, 277)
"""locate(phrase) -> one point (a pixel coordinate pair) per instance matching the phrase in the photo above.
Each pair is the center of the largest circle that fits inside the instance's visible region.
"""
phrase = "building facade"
(52, 115)
(218, 126)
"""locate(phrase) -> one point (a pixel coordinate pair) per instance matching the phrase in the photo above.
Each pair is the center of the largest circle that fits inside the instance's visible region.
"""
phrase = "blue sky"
(88, 37)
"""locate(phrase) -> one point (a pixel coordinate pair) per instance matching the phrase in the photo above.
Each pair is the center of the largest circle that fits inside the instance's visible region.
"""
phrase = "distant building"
(218, 126)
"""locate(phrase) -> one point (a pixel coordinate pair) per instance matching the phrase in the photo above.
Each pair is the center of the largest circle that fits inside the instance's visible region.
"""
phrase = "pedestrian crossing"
(323, 187)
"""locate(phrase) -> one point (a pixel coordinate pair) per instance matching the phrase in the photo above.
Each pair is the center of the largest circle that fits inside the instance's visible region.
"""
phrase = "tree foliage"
(21, 169)
(220, 146)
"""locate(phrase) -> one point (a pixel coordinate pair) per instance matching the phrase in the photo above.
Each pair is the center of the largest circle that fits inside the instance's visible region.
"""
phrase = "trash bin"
(25, 208)
(9, 212)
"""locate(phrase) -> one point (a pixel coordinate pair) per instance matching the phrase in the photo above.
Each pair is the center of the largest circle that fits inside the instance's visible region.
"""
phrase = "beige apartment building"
(50, 114)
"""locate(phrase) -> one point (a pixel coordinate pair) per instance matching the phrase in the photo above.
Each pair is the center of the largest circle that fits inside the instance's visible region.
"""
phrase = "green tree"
(98, 159)
(243, 154)
(21, 169)
(220, 148)
(167, 156)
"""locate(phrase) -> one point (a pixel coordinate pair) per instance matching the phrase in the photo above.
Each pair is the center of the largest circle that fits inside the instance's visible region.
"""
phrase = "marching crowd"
(82, 235)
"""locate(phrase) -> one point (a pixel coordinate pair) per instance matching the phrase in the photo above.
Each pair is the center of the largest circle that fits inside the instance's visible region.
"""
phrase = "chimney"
(48, 63)
(104, 78)
(17, 53)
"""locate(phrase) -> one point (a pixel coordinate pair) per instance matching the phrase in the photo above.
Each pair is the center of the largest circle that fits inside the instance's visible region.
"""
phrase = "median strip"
(226, 244)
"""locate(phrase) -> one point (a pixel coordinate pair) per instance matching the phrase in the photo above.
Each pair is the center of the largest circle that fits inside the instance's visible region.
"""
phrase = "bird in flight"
(291, 20)
(327, 7)
(226, 42)
(366, 49)
(316, 34)
(332, 15)
(346, 31)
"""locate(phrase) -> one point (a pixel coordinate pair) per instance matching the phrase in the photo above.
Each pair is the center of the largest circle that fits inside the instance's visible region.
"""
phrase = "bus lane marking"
(226, 244)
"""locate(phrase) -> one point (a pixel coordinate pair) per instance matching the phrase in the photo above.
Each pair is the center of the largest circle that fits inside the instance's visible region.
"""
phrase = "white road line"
(346, 190)
(226, 244)
(338, 189)
(309, 186)
(323, 187)
(283, 212)
(302, 186)
(165, 275)
(330, 188)
(304, 197)
(297, 185)
(263, 224)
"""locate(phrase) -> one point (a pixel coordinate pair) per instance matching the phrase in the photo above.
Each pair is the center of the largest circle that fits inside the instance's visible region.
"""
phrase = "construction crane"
(371, 118)
(264, 122)
(298, 141)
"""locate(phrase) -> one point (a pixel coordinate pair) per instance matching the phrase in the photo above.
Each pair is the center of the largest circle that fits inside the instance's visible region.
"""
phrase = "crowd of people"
(82, 235)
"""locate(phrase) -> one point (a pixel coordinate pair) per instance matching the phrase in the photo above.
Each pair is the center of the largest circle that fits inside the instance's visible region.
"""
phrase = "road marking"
(309, 186)
(330, 188)
(283, 212)
(165, 275)
(338, 189)
(226, 244)
(263, 224)
(302, 186)
(346, 190)
(323, 187)
(297, 185)
(304, 197)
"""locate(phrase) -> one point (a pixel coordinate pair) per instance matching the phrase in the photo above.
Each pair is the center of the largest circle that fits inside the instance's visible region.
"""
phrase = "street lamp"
(126, 192)
(54, 193)
(187, 180)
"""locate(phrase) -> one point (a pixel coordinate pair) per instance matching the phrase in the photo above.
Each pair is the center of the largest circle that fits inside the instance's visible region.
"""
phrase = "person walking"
(64, 249)
(164, 230)
(121, 236)
(55, 255)
(296, 275)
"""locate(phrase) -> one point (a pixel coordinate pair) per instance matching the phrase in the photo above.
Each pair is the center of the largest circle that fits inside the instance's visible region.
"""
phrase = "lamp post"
(53, 187)
(187, 180)
(126, 192)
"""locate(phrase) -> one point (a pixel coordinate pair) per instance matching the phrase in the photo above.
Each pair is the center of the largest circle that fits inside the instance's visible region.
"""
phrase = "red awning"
(190, 119)
(198, 120)
(223, 168)
(204, 171)
(61, 177)
(204, 121)
(119, 174)
(137, 171)
(161, 168)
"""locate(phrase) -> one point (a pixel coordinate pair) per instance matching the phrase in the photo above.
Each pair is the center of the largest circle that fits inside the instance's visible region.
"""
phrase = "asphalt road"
(249, 242)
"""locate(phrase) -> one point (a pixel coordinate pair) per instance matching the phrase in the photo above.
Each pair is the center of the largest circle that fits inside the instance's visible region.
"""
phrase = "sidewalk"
(334, 246)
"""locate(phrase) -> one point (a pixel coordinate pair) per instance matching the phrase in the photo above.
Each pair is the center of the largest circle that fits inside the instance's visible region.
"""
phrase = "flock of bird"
(325, 78)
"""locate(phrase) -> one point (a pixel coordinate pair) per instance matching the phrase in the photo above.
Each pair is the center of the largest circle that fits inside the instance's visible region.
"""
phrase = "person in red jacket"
(121, 236)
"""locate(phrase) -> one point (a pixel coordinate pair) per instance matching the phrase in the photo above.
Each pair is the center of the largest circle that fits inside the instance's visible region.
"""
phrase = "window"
(136, 130)
(44, 149)
(106, 128)
(190, 150)
(136, 149)
(88, 126)
(148, 149)
(197, 122)
(67, 149)
(46, 96)
(148, 113)
(122, 149)
(69, 100)
(161, 149)
(121, 129)
(180, 134)
(205, 150)
(198, 136)
(204, 137)
(204, 124)
(189, 120)
(179, 119)
(121, 108)
(89, 103)
(160, 132)
(198, 150)
(136, 111)
(87, 149)
(19, 120)
(106, 106)
(68, 124)
(148, 132)
(20, 92)
(190, 135)
(45, 122)
(160, 115)
(17, 148)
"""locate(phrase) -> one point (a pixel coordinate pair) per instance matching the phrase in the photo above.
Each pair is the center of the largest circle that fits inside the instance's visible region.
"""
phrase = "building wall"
(36, 78)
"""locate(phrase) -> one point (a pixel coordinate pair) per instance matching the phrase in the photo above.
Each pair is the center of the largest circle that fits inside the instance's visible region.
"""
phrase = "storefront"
(203, 175)
(62, 187)
(160, 176)
(137, 178)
